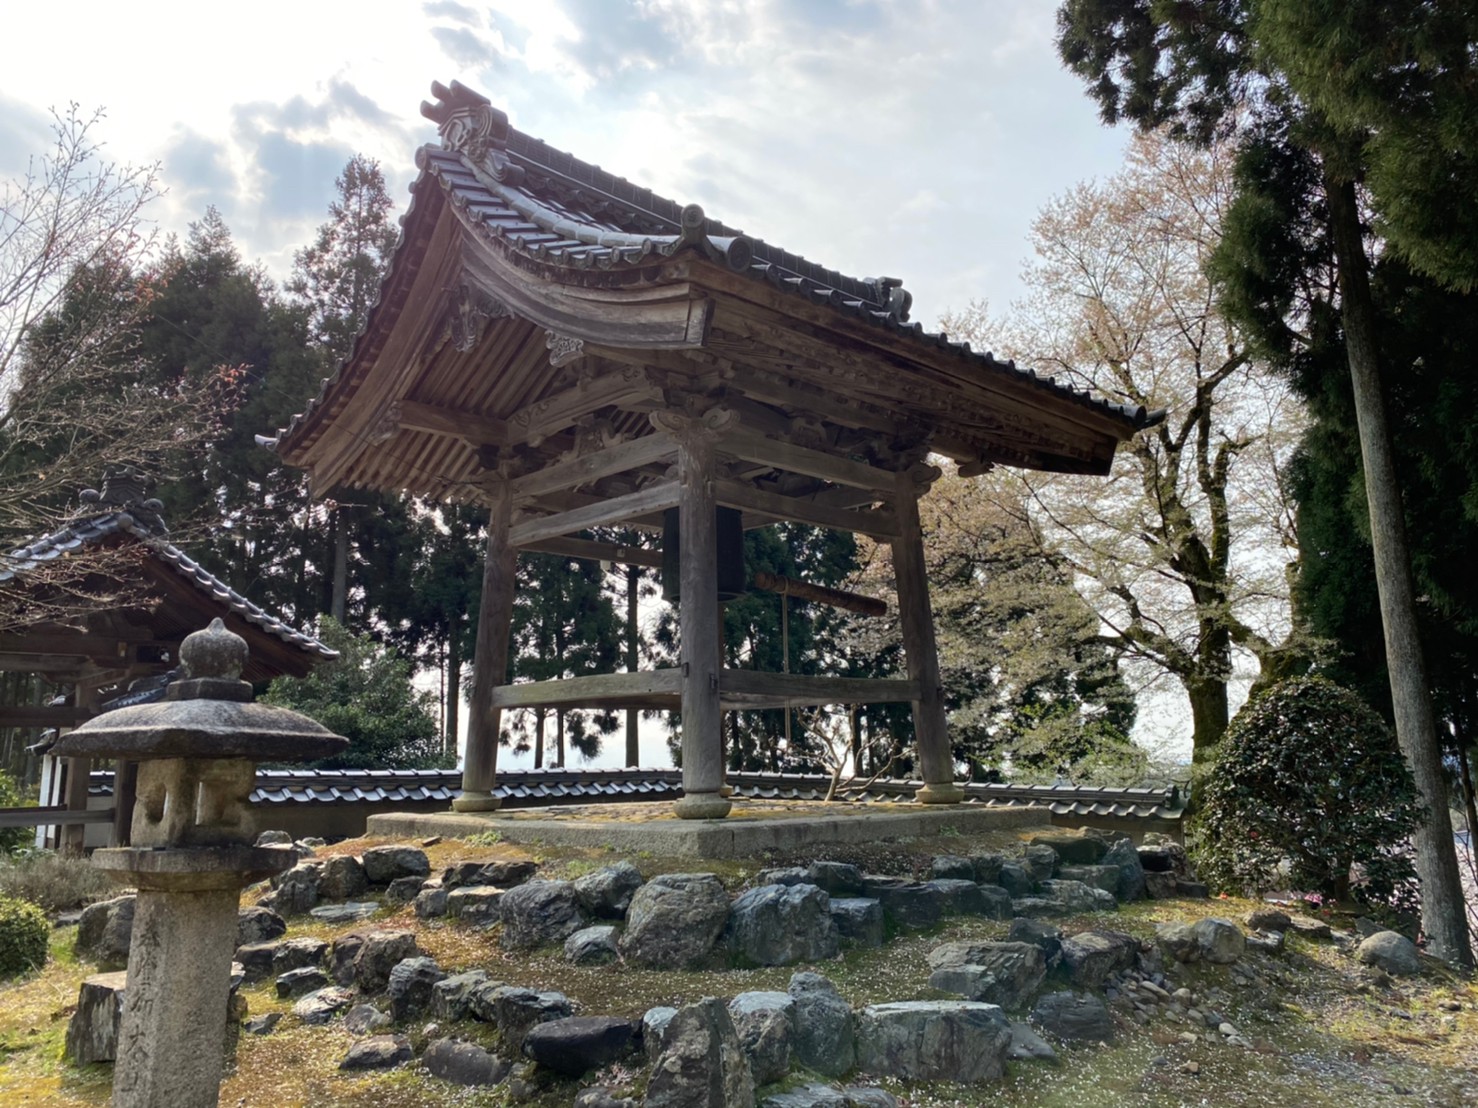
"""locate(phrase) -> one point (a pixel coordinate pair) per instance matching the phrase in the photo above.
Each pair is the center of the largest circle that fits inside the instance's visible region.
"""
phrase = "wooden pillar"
(936, 762)
(73, 837)
(125, 796)
(490, 664)
(701, 657)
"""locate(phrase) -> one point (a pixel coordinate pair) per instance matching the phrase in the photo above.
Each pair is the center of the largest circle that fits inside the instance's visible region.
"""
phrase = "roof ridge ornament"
(469, 125)
(126, 490)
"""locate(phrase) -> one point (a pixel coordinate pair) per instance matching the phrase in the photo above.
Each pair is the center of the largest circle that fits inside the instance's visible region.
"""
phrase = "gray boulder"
(592, 946)
(805, 1096)
(474, 904)
(300, 982)
(765, 1022)
(384, 864)
(1040, 861)
(365, 1019)
(514, 1010)
(1027, 1045)
(274, 838)
(351, 911)
(653, 1024)
(463, 1063)
(92, 1032)
(1076, 898)
(1015, 879)
(779, 925)
(576, 1044)
(934, 1040)
(701, 1061)
(255, 960)
(1092, 955)
(539, 913)
(607, 893)
(837, 878)
(1074, 1018)
(675, 920)
(342, 878)
(378, 1052)
(1390, 951)
(1131, 870)
(506, 875)
(451, 997)
(1005, 974)
(1044, 935)
(430, 902)
(1221, 940)
(410, 987)
(995, 902)
(365, 958)
(322, 1006)
(960, 897)
(859, 919)
(952, 867)
(296, 892)
(911, 905)
(1269, 919)
(987, 868)
(1074, 848)
(784, 875)
(459, 874)
(824, 1039)
(294, 954)
(258, 925)
(1095, 877)
(403, 890)
(104, 932)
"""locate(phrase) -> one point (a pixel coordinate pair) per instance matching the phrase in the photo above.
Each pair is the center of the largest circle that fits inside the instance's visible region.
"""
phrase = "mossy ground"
(1325, 1031)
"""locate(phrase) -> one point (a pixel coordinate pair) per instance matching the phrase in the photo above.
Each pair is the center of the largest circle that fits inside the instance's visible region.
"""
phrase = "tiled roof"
(537, 788)
(554, 209)
(91, 529)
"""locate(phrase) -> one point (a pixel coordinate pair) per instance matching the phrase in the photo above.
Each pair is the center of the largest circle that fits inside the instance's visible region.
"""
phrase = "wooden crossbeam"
(603, 513)
(754, 447)
(749, 688)
(620, 388)
(475, 429)
(603, 463)
(657, 688)
(878, 523)
(598, 552)
(738, 688)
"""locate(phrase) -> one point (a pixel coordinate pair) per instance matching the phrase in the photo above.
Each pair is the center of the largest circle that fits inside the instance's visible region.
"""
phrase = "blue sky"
(914, 140)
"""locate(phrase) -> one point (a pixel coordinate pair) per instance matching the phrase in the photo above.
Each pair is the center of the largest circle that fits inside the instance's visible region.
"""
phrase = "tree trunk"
(1209, 714)
(1444, 915)
(453, 689)
(341, 567)
(538, 738)
(559, 738)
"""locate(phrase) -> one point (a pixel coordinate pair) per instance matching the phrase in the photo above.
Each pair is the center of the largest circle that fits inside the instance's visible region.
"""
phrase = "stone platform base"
(752, 828)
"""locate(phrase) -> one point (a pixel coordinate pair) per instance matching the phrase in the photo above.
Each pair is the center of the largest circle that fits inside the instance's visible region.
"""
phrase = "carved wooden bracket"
(688, 427)
(563, 349)
(387, 426)
(467, 318)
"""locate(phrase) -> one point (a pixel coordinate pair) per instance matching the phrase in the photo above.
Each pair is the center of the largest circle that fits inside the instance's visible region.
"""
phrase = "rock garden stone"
(1316, 930)
(592, 946)
(403, 890)
(459, 874)
(1131, 872)
(837, 878)
(1095, 877)
(351, 911)
(654, 1022)
(384, 864)
(765, 1022)
(539, 913)
(104, 932)
(576, 1044)
(296, 892)
(1073, 1017)
(995, 902)
(1048, 937)
(1040, 861)
(506, 875)
(952, 867)
(378, 1052)
(1269, 919)
(987, 868)
(1015, 879)
(451, 997)
(365, 958)
(1074, 848)
(607, 893)
(934, 1040)
(474, 904)
(262, 1025)
(1178, 941)
(960, 897)
(1162, 857)
(805, 1096)
(365, 1019)
(300, 982)
(701, 1061)
(1390, 951)
(463, 1063)
(859, 919)
(514, 1010)
(1077, 898)
(430, 902)
(784, 875)
(1221, 941)
(1027, 1045)
(868, 1097)
(342, 878)
(1160, 886)
(410, 985)
(824, 1039)
(322, 1006)
(779, 925)
(1092, 956)
(598, 1096)
(274, 838)
(911, 905)
(675, 920)
(258, 925)
(294, 954)
(1006, 974)
(1267, 942)
(92, 1032)
(255, 960)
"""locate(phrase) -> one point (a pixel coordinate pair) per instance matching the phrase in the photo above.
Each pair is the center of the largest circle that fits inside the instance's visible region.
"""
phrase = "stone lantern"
(191, 856)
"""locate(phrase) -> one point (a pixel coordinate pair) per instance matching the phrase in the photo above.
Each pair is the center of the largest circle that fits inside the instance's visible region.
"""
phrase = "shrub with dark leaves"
(23, 935)
(1309, 790)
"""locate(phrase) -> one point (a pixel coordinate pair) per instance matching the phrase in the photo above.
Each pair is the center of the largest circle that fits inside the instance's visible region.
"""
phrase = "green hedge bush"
(1308, 790)
(24, 931)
